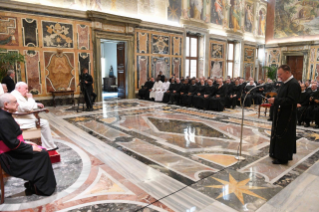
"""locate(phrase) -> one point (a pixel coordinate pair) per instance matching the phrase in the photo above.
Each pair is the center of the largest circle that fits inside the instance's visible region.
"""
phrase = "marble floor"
(133, 155)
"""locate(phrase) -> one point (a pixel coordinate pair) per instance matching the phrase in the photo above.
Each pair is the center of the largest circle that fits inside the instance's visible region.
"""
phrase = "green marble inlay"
(188, 127)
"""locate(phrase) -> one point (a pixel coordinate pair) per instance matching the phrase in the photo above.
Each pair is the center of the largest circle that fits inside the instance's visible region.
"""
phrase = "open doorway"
(113, 67)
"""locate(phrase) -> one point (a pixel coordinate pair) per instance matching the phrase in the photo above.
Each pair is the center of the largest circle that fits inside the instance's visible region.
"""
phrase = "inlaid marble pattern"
(199, 148)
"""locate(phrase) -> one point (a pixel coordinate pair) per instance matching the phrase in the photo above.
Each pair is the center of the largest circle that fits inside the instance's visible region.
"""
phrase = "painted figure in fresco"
(217, 51)
(262, 23)
(218, 12)
(248, 18)
(217, 69)
(235, 15)
(196, 8)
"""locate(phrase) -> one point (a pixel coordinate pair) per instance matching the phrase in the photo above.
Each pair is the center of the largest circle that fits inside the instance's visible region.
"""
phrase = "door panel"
(296, 65)
(121, 69)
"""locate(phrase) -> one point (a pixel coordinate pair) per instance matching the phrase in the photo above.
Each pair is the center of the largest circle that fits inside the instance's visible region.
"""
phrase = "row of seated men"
(205, 93)
(308, 105)
(20, 158)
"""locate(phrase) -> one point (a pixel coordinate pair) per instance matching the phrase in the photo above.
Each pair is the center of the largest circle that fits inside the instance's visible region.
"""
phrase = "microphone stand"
(240, 157)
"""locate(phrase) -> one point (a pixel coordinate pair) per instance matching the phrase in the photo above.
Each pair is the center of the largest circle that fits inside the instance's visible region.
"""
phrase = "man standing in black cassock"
(283, 132)
(20, 158)
(86, 81)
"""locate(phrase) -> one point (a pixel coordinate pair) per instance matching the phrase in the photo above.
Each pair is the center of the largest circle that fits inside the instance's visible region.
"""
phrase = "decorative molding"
(42, 9)
(110, 18)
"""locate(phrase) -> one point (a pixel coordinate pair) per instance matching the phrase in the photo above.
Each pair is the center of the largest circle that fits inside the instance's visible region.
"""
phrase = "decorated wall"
(54, 50)
(157, 51)
(249, 61)
(217, 61)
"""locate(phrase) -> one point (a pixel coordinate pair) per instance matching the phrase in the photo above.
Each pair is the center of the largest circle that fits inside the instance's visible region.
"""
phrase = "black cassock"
(218, 103)
(249, 97)
(304, 102)
(144, 92)
(87, 89)
(197, 97)
(283, 131)
(186, 99)
(22, 161)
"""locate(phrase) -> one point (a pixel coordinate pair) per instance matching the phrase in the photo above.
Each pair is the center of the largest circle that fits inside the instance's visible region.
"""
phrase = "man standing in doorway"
(86, 82)
(283, 132)
(8, 80)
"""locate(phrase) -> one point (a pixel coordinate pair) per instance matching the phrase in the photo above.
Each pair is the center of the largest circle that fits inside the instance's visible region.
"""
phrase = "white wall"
(108, 58)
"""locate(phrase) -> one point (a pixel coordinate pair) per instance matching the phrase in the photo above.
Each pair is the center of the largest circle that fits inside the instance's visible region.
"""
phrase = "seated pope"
(26, 104)
(23, 159)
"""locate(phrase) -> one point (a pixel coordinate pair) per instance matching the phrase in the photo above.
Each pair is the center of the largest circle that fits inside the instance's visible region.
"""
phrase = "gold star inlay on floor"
(238, 188)
(314, 135)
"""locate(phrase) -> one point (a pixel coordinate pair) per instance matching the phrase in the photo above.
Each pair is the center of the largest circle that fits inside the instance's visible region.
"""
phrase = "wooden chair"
(266, 105)
(32, 134)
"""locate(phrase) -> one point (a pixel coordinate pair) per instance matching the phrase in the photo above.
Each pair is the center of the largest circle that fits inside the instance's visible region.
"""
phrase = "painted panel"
(249, 17)
(174, 11)
(30, 32)
(248, 70)
(33, 72)
(60, 69)
(296, 18)
(84, 61)
(262, 22)
(177, 66)
(58, 35)
(142, 70)
(160, 64)
(160, 44)
(249, 54)
(142, 43)
(235, 15)
(217, 12)
(217, 51)
(83, 37)
(217, 68)
(177, 45)
(9, 31)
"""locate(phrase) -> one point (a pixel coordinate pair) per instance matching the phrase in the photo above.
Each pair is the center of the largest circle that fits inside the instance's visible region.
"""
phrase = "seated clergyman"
(20, 158)
(26, 104)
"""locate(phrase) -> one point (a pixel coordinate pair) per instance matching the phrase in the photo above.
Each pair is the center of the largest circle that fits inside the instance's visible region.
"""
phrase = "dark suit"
(9, 82)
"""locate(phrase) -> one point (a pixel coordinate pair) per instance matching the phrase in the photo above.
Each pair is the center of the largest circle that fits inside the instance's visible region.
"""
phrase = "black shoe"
(27, 185)
(279, 162)
(299, 123)
(317, 126)
(170, 103)
(269, 120)
(307, 125)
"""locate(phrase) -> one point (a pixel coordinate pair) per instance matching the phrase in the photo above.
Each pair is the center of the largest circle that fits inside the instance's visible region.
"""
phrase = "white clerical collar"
(292, 76)
(303, 91)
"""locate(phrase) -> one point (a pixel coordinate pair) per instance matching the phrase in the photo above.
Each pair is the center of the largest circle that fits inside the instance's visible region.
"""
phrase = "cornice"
(110, 18)
(42, 9)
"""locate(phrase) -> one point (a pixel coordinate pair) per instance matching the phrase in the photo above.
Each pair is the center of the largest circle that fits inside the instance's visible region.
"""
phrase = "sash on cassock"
(4, 148)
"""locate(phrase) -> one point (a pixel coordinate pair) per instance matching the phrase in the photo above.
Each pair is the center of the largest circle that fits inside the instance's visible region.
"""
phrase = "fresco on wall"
(57, 35)
(142, 43)
(8, 31)
(30, 32)
(32, 67)
(317, 55)
(216, 69)
(262, 22)
(296, 18)
(312, 55)
(217, 51)
(160, 44)
(311, 71)
(249, 17)
(217, 12)
(235, 15)
(142, 70)
(60, 68)
(198, 10)
(174, 11)
(160, 64)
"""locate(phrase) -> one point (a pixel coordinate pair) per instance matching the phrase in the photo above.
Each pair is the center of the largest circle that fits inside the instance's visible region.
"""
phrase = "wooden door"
(296, 65)
(121, 70)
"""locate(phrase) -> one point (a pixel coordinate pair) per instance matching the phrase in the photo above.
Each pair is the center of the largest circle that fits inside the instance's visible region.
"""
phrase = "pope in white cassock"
(157, 89)
(27, 103)
(160, 95)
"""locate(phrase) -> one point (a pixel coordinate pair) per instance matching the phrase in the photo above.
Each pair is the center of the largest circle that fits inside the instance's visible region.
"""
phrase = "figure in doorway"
(86, 82)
